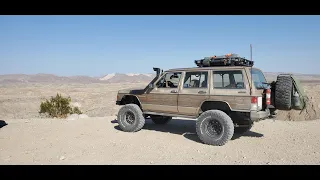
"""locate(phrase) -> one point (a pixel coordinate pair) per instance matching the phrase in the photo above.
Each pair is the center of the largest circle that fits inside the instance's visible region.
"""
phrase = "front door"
(164, 96)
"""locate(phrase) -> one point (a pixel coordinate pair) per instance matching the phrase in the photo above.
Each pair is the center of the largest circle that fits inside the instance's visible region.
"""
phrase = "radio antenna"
(251, 70)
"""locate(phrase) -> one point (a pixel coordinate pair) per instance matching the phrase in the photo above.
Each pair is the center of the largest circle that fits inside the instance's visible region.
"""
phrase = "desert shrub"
(58, 107)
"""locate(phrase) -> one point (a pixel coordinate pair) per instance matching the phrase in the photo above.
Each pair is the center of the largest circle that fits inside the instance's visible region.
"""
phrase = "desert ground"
(28, 138)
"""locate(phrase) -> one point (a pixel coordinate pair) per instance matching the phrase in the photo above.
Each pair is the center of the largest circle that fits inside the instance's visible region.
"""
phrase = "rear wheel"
(160, 119)
(130, 118)
(214, 127)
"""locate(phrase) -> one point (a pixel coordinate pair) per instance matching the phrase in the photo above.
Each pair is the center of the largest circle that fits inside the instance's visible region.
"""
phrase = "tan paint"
(187, 101)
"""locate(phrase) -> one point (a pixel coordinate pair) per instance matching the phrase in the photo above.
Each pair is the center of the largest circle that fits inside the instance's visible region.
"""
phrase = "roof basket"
(225, 60)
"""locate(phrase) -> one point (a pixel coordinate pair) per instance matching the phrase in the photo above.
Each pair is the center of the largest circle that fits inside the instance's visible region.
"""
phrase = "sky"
(99, 45)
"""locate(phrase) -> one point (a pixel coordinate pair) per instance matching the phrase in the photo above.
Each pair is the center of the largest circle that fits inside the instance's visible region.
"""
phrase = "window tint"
(232, 79)
(169, 80)
(196, 80)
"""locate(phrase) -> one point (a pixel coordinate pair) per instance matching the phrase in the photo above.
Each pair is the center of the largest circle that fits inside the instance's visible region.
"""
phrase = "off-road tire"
(221, 119)
(160, 119)
(283, 92)
(135, 120)
(241, 130)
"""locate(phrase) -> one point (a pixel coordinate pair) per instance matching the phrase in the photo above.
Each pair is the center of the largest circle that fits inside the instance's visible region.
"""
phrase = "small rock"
(268, 163)
(76, 104)
(83, 116)
(62, 158)
(73, 117)
(26, 122)
(151, 162)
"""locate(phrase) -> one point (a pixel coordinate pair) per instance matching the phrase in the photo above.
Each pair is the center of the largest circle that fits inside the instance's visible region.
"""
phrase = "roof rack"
(224, 60)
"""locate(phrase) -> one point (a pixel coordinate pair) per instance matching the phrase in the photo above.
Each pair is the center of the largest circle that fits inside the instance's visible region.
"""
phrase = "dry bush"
(58, 107)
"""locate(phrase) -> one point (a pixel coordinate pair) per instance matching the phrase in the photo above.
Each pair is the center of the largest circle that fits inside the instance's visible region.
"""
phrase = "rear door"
(229, 86)
(194, 90)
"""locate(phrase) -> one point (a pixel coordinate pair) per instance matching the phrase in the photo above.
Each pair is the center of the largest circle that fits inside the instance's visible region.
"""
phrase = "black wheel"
(160, 119)
(214, 127)
(283, 92)
(130, 118)
(241, 130)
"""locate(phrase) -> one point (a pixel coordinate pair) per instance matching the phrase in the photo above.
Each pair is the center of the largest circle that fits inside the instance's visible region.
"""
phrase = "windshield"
(258, 79)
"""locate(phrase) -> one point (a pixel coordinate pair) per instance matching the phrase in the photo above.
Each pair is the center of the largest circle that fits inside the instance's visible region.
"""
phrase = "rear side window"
(231, 79)
(258, 79)
(196, 80)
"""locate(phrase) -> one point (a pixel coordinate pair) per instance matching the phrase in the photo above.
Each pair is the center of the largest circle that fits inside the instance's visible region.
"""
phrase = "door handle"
(241, 91)
(174, 91)
(201, 92)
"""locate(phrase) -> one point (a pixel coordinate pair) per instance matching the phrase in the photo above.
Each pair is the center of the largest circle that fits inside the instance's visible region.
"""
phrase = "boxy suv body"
(224, 99)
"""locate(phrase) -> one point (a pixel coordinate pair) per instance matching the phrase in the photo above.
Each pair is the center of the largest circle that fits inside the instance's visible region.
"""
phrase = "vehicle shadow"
(2, 123)
(186, 128)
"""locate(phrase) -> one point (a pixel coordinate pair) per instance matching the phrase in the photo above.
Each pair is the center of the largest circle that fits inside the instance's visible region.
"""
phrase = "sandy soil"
(99, 141)
(28, 139)
(22, 101)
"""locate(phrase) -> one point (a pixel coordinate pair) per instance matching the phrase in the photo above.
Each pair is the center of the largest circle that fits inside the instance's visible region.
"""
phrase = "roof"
(210, 68)
(228, 61)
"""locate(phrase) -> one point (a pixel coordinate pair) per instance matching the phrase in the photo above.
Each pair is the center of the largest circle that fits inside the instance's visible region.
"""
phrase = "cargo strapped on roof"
(225, 60)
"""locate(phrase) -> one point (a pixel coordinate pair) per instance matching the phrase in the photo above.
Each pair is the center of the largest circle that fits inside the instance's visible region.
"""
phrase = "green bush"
(58, 107)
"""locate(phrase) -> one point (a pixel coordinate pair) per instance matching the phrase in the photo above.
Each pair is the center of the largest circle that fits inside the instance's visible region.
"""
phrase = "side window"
(169, 80)
(196, 80)
(232, 79)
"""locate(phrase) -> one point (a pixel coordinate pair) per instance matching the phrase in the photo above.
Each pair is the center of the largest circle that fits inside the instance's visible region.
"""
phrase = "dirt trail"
(99, 141)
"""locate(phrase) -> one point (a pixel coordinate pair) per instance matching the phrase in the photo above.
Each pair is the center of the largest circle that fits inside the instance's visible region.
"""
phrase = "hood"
(132, 91)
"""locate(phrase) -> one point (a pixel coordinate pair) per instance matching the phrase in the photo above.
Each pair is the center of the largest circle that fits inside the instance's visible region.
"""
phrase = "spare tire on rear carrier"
(283, 92)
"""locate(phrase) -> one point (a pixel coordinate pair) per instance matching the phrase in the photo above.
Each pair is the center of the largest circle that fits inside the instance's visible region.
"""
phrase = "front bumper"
(259, 115)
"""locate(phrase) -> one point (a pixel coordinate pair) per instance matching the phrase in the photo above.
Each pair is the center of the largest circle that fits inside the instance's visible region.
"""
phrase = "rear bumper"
(259, 115)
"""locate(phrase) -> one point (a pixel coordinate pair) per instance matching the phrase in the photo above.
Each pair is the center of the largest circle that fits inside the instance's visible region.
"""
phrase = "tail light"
(268, 96)
(254, 103)
(254, 100)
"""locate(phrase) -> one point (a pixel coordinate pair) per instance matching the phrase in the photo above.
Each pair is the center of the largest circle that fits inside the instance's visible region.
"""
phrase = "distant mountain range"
(112, 78)
(50, 78)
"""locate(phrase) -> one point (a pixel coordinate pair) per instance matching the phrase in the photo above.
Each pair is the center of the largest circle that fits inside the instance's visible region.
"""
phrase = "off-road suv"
(226, 94)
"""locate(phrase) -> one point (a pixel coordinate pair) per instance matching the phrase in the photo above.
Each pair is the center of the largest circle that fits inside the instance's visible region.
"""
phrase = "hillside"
(115, 78)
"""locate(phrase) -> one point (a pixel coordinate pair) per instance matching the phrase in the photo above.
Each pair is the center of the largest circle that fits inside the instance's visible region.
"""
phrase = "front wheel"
(214, 127)
(130, 118)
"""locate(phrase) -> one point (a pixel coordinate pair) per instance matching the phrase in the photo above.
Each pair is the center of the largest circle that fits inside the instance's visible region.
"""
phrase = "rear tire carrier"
(283, 92)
